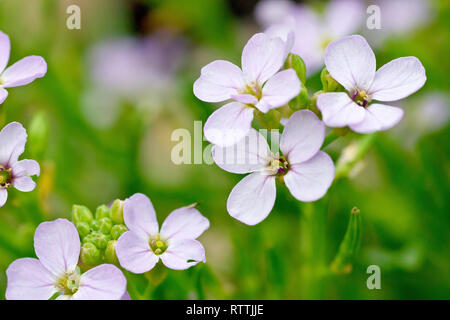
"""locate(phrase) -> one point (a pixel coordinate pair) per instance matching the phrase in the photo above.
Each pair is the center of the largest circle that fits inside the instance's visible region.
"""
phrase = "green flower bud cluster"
(99, 232)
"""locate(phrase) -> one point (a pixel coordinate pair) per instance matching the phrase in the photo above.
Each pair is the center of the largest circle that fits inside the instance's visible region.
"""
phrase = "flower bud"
(83, 228)
(301, 101)
(105, 225)
(294, 61)
(117, 211)
(110, 252)
(102, 212)
(328, 83)
(95, 225)
(81, 214)
(100, 240)
(117, 230)
(90, 255)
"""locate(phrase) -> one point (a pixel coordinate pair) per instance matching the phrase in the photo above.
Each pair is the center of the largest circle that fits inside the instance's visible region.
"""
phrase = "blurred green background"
(401, 186)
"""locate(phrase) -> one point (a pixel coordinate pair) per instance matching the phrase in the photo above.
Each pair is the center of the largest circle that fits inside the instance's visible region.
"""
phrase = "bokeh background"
(100, 125)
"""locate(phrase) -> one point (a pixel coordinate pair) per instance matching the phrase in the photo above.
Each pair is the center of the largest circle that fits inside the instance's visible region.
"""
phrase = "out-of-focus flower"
(258, 84)
(306, 171)
(12, 171)
(351, 62)
(312, 31)
(132, 70)
(57, 247)
(20, 73)
(139, 249)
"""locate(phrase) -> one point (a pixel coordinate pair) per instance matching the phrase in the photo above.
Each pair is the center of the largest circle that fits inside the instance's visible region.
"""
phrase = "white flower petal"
(134, 253)
(25, 168)
(57, 245)
(351, 62)
(338, 27)
(12, 143)
(310, 180)
(3, 197)
(250, 154)
(218, 81)
(140, 216)
(184, 223)
(252, 199)
(24, 184)
(3, 95)
(29, 280)
(302, 137)
(183, 254)
(398, 79)
(279, 90)
(284, 32)
(338, 110)
(5, 49)
(24, 71)
(378, 117)
(229, 124)
(104, 282)
(262, 57)
(245, 98)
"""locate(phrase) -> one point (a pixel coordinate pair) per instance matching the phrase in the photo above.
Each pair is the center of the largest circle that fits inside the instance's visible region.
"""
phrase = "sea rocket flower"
(57, 247)
(312, 31)
(20, 73)
(258, 84)
(140, 248)
(12, 171)
(306, 171)
(351, 62)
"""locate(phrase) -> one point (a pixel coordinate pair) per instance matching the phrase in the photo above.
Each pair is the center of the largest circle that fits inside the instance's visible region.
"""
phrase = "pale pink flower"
(312, 31)
(351, 62)
(15, 173)
(20, 73)
(306, 171)
(258, 85)
(140, 248)
(57, 247)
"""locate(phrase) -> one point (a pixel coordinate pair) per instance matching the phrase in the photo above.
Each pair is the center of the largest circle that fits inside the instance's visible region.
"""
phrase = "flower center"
(69, 283)
(278, 165)
(5, 178)
(252, 88)
(158, 245)
(361, 97)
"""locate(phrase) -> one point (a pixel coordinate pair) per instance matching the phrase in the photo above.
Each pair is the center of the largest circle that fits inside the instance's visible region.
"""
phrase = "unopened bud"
(90, 254)
(301, 101)
(83, 229)
(100, 240)
(102, 212)
(110, 252)
(117, 211)
(294, 61)
(95, 225)
(81, 214)
(328, 83)
(105, 225)
(117, 230)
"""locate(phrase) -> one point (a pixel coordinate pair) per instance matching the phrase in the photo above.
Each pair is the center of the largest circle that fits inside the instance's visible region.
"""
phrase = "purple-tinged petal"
(398, 79)
(24, 184)
(338, 27)
(126, 296)
(229, 124)
(3, 95)
(269, 12)
(24, 71)
(338, 110)
(12, 143)
(218, 81)
(250, 154)
(140, 216)
(245, 98)
(104, 282)
(3, 197)
(29, 280)
(134, 253)
(183, 254)
(279, 90)
(378, 117)
(252, 199)
(184, 223)
(351, 62)
(302, 137)
(5, 49)
(57, 245)
(310, 180)
(25, 168)
(285, 32)
(262, 57)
